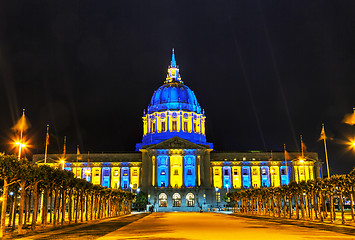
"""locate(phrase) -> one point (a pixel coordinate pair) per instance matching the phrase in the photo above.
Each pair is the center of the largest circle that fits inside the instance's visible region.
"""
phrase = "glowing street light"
(20, 146)
(62, 161)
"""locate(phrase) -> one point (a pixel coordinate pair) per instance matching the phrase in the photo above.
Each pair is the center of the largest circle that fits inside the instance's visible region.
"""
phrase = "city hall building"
(175, 165)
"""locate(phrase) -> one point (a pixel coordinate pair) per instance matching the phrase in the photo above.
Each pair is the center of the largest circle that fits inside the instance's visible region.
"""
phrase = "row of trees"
(53, 196)
(306, 200)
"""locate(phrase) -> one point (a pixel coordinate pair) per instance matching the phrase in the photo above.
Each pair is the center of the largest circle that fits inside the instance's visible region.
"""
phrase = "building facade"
(175, 165)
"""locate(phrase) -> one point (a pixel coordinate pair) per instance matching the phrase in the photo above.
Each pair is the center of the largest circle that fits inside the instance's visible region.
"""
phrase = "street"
(193, 225)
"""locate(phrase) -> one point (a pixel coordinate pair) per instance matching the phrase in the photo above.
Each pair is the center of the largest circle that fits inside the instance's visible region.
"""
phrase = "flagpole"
(46, 148)
(21, 133)
(286, 163)
(302, 147)
(325, 150)
(65, 147)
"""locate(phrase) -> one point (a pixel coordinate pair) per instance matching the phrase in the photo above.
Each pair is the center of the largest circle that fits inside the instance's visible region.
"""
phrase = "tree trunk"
(45, 205)
(86, 207)
(35, 206)
(312, 207)
(54, 221)
(22, 205)
(14, 208)
(82, 207)
(302, 206)
(341, 206)
(76, 207)
(3, 208)
(64, 198)
(352, 204)
(297, 208)
(29, 206)
(332, 213)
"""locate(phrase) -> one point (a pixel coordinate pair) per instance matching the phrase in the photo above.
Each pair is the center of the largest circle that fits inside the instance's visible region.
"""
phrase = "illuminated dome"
(173, 111)
(174, 96)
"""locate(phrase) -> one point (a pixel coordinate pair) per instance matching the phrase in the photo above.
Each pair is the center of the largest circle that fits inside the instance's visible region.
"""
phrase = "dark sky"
(264, 71)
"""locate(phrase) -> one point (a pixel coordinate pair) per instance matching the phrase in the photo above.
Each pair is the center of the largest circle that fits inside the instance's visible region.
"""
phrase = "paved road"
(181, 226)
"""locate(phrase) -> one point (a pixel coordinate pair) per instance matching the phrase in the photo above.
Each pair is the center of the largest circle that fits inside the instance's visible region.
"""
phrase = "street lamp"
(131, 186)
(62, 161)
(20, 146)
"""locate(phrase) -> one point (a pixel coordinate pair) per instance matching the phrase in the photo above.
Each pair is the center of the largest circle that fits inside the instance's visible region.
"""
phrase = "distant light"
(138, 190)
(11, 193)
(217, 189)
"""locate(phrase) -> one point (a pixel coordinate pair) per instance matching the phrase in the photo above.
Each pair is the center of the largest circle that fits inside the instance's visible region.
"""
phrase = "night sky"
(264, 71)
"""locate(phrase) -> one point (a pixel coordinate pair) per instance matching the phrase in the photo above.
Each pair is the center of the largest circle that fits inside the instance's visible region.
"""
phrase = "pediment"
(177, 143)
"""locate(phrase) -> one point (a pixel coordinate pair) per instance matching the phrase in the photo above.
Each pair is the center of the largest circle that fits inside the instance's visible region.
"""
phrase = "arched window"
(163, 200)
(190, 200)
(176, 200)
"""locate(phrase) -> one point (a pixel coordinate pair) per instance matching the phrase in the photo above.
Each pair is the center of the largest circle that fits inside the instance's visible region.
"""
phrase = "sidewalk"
(348, 228)
(48, 230)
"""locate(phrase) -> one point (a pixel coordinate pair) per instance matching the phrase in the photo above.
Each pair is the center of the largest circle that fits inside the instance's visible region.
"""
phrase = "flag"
(304, 148)
(287, 155)
(78, 156)
(47, 136)
(22, 124)
(349, 118)
(322, 134)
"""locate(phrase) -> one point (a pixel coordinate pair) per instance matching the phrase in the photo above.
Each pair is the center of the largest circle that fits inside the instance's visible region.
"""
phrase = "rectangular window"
(174, 127)
(235, 172)
(283, 172)
(216, 172)
(189, 172)
(185, 126)
(97, 172)
(125, 173)
(225, 171)
(263, 171)
(218, 197)
(115, 173)
(163, 126)
(162, 172)
(135, 172)
(176, 172)
(195, 128)
(153, 127)
(255, 171)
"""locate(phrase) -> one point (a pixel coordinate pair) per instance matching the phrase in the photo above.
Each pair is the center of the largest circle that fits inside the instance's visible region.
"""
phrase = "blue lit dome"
(174, 96)
(173, 111)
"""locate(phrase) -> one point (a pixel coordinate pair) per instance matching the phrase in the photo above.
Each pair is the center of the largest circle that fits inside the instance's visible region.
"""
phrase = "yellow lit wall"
(115, 177)
(275, 176)
(77, 172)
(176, 177)
(311, 173)
(153, 171)
(135, 177)
(237, 179)
(145, 126)
(255, 177)
(217, 177)
(96, 175)
(302, 172)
